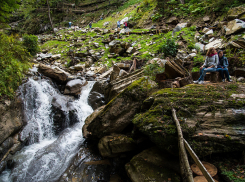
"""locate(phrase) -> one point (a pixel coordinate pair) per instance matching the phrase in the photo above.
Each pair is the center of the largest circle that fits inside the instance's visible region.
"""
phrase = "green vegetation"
(169, 48)
(152, 69)
(13, 64)
(31, 43)
(7, 6)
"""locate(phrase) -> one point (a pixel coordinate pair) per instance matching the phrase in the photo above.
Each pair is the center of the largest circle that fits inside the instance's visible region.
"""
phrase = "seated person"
(209, 65)
(222, 67)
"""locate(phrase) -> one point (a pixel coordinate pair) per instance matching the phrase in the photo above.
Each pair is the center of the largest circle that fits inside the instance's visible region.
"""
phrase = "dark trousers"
(222, 72)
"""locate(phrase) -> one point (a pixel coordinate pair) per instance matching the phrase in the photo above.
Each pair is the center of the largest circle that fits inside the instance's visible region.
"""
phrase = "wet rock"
(96, 100)
(111, 146)
(53, 72)
(87, 166)
(74, 87)
(10, 120)
(5, 146)
(235, 26)
(153, 165)
(89, 119)
(117, 115)
(61, 105)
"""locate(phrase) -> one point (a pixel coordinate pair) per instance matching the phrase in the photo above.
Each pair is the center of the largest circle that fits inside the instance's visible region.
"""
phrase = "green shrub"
(13, 64)
(152, 69)
(31, 43)
(169, 48)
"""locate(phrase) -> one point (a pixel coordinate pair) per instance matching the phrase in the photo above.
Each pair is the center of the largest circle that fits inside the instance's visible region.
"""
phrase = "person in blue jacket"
(222, 67)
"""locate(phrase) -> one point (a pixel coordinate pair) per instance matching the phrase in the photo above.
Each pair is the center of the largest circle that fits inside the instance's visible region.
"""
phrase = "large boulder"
(119, 112)
(11, 119)
(63, 112)
(111, 146)
(235, 26)
(153, 165)
(96, 99)
(74, 87)
(53, 72)
(89, 119)
(208, 118)
(11, 122)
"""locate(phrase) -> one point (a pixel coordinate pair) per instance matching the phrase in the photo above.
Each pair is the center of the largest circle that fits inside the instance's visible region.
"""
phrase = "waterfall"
(47, 156)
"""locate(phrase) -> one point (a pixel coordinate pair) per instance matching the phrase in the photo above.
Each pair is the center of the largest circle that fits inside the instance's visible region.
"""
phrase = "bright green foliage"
(152, 69)
(6, 7)
(169, 48)
(31, 43)
(13, 64)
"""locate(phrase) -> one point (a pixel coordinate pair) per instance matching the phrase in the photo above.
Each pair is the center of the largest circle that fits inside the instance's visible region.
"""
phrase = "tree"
(6, 7)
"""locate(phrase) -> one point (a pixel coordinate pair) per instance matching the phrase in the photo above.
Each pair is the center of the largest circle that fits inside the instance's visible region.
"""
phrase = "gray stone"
(74, 87)
(235, 26)
(153, 165)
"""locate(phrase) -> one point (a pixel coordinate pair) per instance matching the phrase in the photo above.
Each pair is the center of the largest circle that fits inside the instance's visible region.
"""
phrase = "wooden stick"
(198, 162)
(183, 156)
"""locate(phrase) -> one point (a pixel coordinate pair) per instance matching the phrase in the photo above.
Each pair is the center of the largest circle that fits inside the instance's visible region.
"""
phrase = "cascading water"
(47, 156)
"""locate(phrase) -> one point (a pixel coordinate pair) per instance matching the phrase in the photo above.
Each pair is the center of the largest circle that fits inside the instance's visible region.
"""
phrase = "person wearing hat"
(222, 67)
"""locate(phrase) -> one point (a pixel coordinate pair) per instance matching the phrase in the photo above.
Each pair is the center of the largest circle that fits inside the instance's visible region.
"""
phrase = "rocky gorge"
(91, 110)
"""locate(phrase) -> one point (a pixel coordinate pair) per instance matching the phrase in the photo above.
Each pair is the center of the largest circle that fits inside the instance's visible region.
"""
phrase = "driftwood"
(198, 162)
(184, 163)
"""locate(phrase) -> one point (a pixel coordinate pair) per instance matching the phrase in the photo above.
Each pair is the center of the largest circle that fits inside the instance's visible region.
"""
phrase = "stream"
(47, 155)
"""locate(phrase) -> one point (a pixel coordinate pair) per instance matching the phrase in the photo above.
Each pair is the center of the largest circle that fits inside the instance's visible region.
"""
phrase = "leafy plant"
(13, 64)
(156, 17)
(31, 43)
(169, 48)
(152, 69)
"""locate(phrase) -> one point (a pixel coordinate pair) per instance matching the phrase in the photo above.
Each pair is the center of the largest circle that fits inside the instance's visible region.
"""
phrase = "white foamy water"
(47, 158)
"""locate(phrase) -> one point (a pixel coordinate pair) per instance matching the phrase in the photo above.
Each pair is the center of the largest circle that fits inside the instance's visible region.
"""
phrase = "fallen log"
(185, 169)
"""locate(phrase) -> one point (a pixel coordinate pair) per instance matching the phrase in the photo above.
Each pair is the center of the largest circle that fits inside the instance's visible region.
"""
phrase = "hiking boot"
(223, 80)
(201, 82)
(196, 82)
(229, 80)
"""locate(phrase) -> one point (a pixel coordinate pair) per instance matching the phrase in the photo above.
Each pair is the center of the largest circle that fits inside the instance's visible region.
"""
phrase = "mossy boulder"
(236, 12)
(119, 112)
(206, 114)
(111, 146)
(153, 165)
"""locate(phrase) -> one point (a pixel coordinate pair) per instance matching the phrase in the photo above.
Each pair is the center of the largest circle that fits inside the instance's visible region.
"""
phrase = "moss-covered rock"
(120, 111)
(153, 165)
(111, 146)
(205, 113)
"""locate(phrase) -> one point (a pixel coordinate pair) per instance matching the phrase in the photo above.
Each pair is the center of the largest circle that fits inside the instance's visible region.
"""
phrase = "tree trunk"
(185, 169)
(50, 17)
